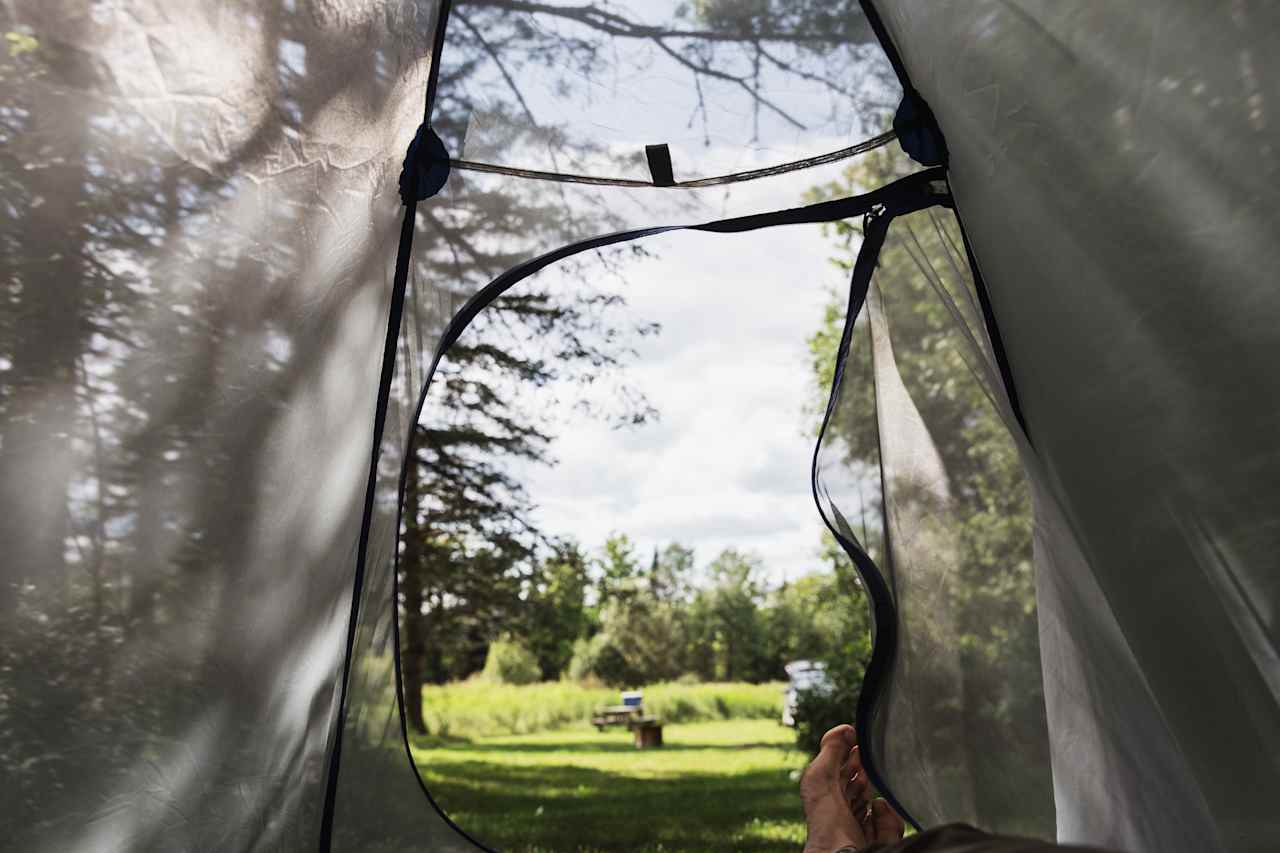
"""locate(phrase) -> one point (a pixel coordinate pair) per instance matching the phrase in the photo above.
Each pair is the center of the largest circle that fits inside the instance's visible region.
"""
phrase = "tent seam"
(395, 316)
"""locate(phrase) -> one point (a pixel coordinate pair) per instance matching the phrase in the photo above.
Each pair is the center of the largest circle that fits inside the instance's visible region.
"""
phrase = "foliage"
(819, 709)
(840, 637)
(20, 43)
(555, 612)
(715, 786)
(642, 617)
(618, 572)
(642, 639)
(598, 659)
(660, 623)
(671, 573)
(510, 663)
(481, 708)
(474, 563)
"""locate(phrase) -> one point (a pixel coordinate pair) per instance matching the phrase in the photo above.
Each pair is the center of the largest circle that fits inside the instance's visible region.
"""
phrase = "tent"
(227, 286)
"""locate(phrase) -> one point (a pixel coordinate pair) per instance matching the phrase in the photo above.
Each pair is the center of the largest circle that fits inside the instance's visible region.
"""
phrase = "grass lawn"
(715, 786)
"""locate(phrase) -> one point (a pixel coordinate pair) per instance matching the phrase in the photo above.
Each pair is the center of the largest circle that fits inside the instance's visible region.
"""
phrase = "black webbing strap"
(884, 645)
(915, 192)
(659, 157)
(366, 520)
(993, 334)
(922, 139)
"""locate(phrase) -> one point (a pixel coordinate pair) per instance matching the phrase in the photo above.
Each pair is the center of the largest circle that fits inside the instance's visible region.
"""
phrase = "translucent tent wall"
(1116, 170)
(198, 628)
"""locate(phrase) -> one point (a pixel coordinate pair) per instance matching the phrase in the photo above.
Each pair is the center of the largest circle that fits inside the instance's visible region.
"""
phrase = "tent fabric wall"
(951, 719)
(198, 226)
(1115, 168)
(968, 678)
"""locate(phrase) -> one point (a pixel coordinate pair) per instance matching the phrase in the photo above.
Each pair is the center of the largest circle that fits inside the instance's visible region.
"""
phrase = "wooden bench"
(648, 732)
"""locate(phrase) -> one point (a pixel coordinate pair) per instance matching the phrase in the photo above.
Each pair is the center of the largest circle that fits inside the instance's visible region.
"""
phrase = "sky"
(727, 462)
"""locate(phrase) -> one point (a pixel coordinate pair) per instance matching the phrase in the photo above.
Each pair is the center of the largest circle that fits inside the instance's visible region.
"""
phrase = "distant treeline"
(616, 618)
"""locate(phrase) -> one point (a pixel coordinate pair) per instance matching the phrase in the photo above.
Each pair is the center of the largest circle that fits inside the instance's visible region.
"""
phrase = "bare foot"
(824, 792)
(883, 825)
(834, 790)
(877, 819)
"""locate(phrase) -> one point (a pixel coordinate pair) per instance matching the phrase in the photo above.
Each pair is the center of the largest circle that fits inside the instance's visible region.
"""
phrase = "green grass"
(483, 709)
(727, 785)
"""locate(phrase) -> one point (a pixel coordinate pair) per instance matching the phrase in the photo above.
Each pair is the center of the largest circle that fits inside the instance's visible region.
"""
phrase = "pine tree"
(472, 554)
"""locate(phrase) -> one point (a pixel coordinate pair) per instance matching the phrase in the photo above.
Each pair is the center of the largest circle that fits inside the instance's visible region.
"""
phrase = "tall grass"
(478, 708)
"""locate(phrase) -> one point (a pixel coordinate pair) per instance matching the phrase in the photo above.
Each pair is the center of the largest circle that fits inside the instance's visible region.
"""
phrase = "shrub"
(482, 708)
(580, 664)
(820, 709)
(510, 663)
(597, 658)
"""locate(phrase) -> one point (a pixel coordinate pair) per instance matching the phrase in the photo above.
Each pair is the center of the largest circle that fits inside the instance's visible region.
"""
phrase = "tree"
(618, 572)
(641, 640)
(508, 662)
(731, 55)
(471, 565)
(556, 610)
(640, 632)
(670, 575)
(729, 620)
(810, 618)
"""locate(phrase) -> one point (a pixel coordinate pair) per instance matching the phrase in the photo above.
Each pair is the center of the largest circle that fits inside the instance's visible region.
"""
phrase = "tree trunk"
(47, 337)
(413, 638)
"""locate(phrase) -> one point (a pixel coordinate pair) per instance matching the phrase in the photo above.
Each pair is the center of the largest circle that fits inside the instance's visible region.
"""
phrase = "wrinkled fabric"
(199, 220)
(1115, 167)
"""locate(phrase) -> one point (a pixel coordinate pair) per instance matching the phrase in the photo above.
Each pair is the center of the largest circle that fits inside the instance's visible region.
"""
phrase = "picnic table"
(647, 728)
(617, 715)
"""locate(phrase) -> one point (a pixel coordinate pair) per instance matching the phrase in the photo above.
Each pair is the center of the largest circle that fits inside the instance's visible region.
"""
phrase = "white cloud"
(728, 462)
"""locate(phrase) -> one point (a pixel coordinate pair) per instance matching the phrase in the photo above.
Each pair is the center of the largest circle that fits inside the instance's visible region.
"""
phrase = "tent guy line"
(836, 156)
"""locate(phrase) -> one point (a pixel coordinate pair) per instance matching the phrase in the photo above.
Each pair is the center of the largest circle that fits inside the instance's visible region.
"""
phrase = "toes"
(855, 794)
(833, 751)
(827, 766)
(885, 824)
(841, 739)
(831, 825)
(852, 763)
(853, 780)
